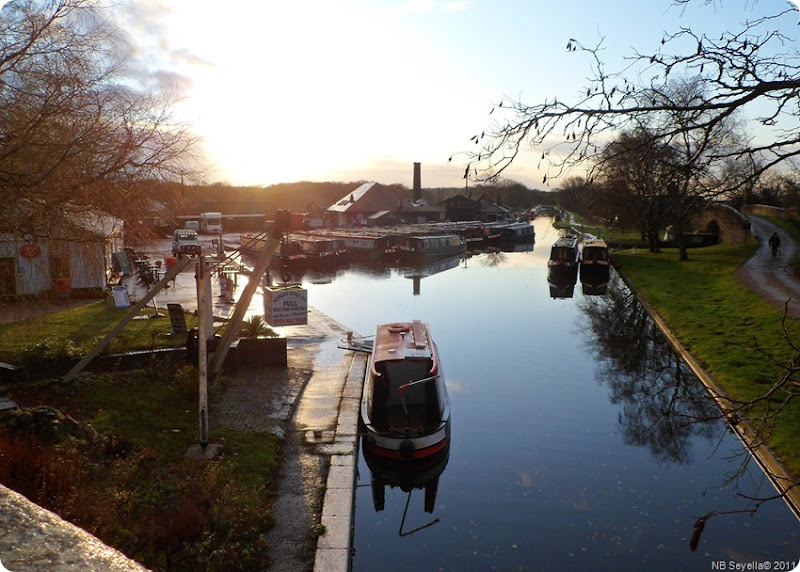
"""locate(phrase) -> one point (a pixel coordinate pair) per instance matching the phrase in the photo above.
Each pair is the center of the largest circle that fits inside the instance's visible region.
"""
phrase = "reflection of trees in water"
(663, 403)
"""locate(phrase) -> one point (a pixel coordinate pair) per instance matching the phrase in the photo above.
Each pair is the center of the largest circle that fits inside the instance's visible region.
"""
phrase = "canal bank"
(774, 279)
(312, 404)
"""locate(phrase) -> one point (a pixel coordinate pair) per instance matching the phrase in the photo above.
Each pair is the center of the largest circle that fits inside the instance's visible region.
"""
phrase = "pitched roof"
(368, 198)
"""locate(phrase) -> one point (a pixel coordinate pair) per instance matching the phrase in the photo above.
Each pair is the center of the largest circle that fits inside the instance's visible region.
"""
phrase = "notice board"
(286, 306)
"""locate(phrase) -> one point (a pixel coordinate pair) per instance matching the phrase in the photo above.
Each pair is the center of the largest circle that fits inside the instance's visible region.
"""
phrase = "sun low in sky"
(352, 90)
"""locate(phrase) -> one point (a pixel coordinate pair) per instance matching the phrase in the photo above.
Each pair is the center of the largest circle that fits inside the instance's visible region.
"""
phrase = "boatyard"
(369, 506)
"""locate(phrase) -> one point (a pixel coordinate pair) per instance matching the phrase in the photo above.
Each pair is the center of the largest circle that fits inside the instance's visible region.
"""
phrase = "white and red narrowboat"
(405, 408)
(595, 266)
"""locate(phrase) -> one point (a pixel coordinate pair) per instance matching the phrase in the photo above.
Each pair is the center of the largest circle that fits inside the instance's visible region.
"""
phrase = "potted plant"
(259, 344)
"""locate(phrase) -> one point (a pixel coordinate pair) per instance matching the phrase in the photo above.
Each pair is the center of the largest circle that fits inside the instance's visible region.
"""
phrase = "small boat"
(361, 244)
(562, 268)
(517, 231)
(315, 248)
(595, 265)
(594, 253)
(405, 408)
(417, 248)
(564, 253)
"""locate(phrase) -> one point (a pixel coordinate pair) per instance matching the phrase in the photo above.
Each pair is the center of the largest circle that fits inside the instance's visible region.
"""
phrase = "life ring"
(399, 328)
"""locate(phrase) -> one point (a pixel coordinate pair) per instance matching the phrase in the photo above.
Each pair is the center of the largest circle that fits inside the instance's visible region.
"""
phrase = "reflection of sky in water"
(540, 475)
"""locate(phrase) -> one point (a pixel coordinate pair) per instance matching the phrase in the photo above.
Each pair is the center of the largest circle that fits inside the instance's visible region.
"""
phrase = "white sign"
(121, 297)
(286, 306)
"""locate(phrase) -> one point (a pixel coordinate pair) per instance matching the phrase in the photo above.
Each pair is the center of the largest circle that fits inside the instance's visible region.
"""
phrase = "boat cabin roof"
(595, 243)
(402, 340)
(568, 241)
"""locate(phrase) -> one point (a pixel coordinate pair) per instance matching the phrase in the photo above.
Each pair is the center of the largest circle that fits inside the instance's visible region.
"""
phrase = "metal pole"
(202, 347)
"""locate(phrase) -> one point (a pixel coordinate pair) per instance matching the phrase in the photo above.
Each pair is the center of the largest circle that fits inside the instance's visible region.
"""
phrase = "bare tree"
(78, 131)
(755, 69)
(634, 169)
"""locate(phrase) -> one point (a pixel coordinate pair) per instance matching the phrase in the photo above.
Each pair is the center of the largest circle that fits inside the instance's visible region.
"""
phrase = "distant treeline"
(303, 196)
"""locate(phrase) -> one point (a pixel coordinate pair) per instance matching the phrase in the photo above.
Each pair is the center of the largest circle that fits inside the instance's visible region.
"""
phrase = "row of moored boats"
(414, 242)
(570, 255)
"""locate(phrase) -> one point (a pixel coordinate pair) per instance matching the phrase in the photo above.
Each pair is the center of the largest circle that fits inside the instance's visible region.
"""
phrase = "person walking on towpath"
(774, 244)
(774, 279)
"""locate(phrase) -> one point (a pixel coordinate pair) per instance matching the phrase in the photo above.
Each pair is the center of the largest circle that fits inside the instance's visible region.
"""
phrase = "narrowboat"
(517, 231)
(252, 243)
(416, 248)
(405, 408)
(594, 253)
(595, 266)
(315, 248)
(562, 268)
(288, 252)
(564, 253)
(366, 244)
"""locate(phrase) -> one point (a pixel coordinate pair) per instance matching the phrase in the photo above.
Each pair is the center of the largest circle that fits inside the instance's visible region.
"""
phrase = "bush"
(50, 349)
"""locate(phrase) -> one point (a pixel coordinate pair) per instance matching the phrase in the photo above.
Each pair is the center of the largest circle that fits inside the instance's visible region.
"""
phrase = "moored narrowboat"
(405, 408)
(564, 253)
(595, 265)
(416, 248)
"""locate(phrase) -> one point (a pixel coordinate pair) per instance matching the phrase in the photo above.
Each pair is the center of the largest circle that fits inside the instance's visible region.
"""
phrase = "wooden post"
(171, 273)
(282, 223)
(202, 346)
(236, 319)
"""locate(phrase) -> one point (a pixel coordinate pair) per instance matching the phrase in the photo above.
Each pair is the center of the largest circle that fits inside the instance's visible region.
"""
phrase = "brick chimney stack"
(417, 192)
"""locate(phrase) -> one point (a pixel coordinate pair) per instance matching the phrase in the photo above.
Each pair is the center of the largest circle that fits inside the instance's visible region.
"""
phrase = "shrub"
(50, 349)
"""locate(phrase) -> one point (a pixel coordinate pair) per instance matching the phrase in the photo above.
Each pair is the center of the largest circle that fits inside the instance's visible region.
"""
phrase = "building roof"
(460, 201)
(368, 198)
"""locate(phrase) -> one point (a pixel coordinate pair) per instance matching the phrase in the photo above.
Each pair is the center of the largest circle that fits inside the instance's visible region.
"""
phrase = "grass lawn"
(134, 488)
(75, 331)
(736, 335)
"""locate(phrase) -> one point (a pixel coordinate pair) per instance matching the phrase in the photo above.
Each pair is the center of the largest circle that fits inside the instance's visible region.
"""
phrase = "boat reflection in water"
(562, 280)
(562, 267)
(417, 272)
(595, 266)
(595, 282)
(418, 474)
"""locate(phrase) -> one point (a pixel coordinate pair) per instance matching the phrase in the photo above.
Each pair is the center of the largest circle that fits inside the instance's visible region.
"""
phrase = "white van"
(211, 223)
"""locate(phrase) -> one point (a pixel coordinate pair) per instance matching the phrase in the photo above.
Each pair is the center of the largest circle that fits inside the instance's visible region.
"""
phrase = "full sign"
(286, 306)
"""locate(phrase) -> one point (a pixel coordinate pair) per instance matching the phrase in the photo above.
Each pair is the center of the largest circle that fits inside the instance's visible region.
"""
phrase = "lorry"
(211, 223)
(185, 241)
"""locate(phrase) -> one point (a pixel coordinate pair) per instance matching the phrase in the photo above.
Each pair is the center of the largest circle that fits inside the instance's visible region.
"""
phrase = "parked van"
(211, 223)
(192, 225)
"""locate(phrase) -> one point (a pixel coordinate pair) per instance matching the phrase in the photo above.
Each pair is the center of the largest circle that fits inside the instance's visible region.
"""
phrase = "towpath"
(774, 279)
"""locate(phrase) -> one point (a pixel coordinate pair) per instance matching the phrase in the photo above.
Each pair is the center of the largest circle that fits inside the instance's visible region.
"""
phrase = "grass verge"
(133, 487)
(75, 331)
(736, 334)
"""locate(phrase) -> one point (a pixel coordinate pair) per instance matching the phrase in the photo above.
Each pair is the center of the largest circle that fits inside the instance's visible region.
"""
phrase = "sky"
(351, 90)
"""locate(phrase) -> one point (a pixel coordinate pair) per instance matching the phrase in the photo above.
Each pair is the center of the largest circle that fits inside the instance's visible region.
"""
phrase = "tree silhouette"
(79, 131)
(755, 69)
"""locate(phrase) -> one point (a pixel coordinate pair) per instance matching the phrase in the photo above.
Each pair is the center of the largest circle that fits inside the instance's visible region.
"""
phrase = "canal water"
(576, 435)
